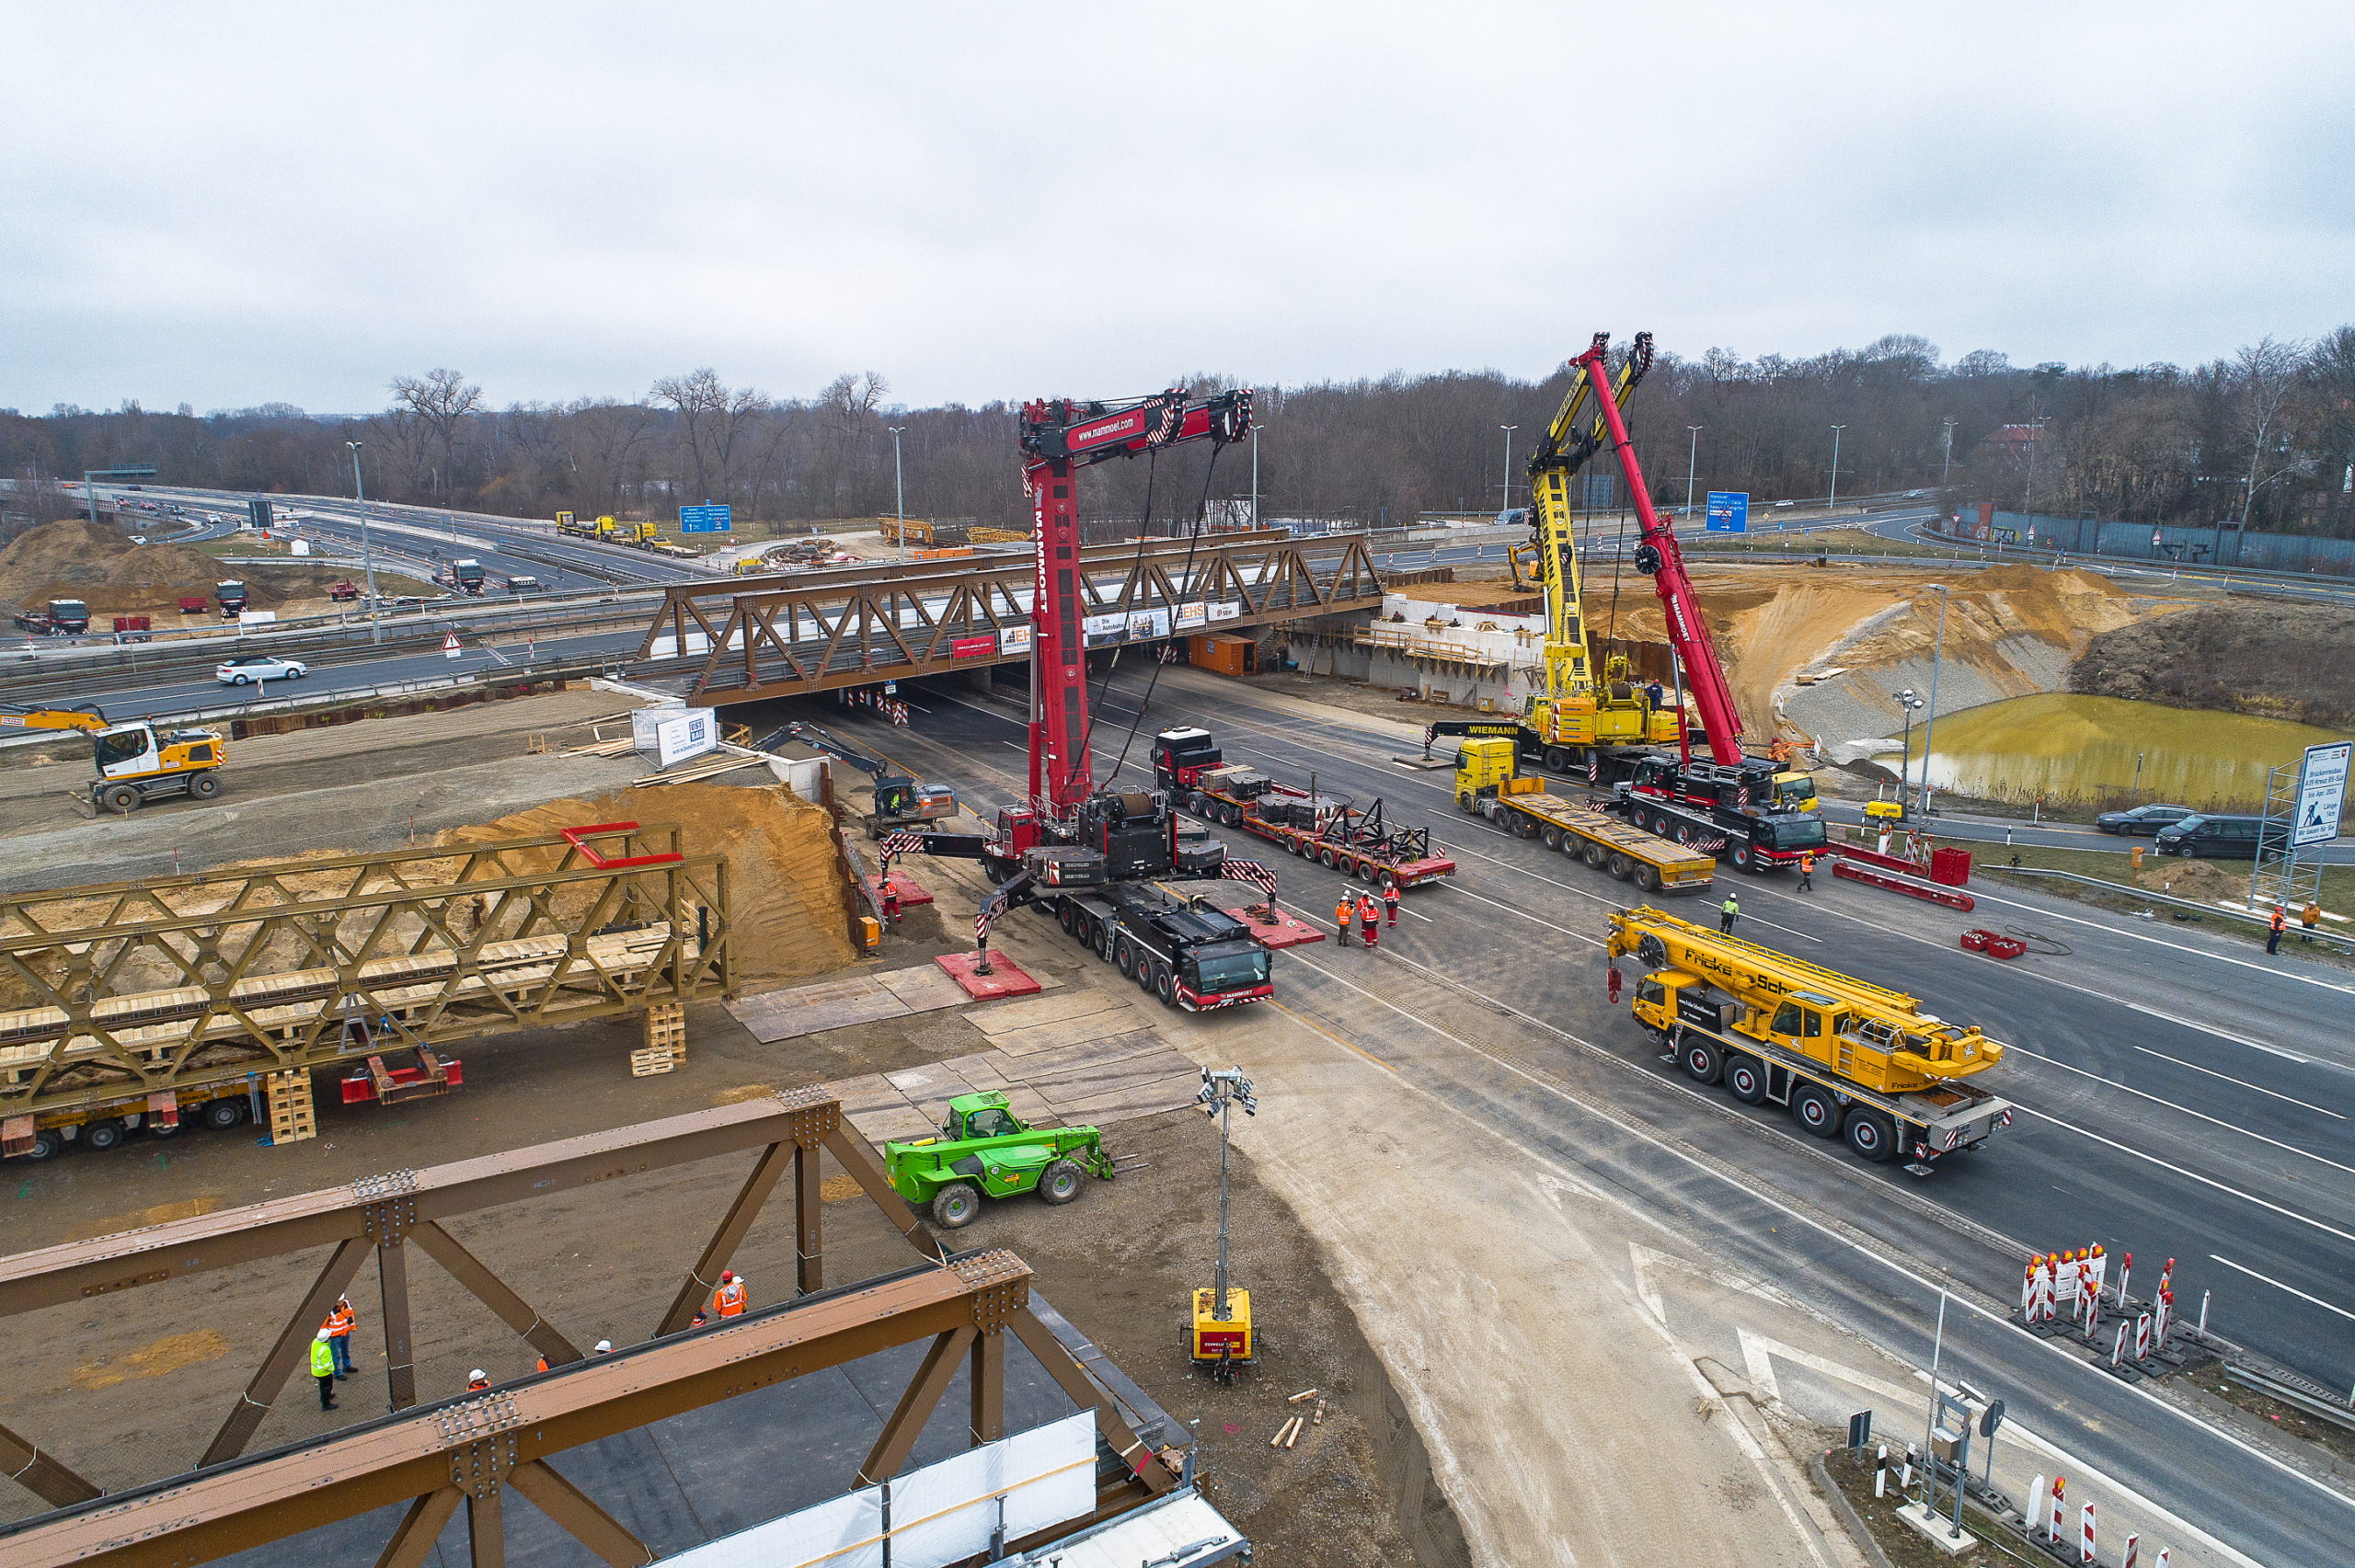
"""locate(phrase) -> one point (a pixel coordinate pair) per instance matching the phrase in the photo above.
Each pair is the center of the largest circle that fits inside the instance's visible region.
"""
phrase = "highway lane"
(1497, 938)
(2268, 1182)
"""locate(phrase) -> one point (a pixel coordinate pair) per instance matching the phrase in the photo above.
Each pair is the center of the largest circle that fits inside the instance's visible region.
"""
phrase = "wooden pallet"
(293, 1116)
(666, 1029)
(646, 1063)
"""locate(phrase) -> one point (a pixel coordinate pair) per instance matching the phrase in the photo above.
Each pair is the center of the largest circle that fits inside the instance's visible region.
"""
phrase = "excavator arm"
(87, 718)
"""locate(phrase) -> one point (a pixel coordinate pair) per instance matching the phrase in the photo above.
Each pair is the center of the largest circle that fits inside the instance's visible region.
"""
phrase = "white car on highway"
(251, 667)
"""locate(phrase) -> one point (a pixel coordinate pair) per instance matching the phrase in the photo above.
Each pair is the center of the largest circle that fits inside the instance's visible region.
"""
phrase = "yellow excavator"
(136, 763)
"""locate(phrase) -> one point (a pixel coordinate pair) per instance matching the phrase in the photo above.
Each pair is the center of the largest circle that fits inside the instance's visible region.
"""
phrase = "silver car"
(245, 668)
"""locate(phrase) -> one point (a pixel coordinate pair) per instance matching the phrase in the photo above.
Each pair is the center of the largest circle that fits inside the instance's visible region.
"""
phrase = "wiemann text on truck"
(1848, 1059)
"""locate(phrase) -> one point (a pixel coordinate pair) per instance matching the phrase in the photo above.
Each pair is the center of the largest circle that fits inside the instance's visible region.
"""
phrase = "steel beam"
(493, 1292)
(421, 1527)
(808, 1223)
(1110, 1425)
(703, 1279)
(287, 1352)
(917, 1401)
(42, 1474)
(473, 1445)
(578, 1514)
(988, 1377)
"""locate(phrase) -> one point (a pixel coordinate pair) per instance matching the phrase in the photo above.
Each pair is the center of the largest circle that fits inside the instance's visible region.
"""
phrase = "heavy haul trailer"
(1751, 839)
(1328, 831)
(1850, 1060)
(1100, 877)
(1488, 785)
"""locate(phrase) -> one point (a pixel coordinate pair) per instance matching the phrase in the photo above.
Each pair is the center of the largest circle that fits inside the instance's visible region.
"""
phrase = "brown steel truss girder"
(471, 1448)
(386, 1212)
(795, 640)
(263, 973)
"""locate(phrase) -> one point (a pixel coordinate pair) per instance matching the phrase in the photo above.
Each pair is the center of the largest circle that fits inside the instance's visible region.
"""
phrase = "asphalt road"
(2178, 1098)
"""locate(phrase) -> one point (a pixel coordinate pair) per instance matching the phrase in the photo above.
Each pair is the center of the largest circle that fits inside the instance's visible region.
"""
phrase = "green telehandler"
(983, 1148)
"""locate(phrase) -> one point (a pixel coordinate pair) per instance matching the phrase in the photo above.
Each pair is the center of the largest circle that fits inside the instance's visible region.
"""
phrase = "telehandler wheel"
(1060, 1182)
(1872, 1135)
(1816, 1111)
(204, 787)
(956, 1205)
(1703, 1063)
(1745, 1079)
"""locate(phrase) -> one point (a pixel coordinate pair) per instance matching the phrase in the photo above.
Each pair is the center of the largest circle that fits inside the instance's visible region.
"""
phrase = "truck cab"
(468, 575)
(232, 597)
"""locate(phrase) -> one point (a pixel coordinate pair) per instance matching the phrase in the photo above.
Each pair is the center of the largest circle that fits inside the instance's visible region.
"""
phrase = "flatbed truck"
(1488, 785)
(1360, 844)
(1848, 1059)
(1751, 838)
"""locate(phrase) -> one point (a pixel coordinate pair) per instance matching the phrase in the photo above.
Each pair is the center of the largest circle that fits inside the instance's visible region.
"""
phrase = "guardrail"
(2319, 1406)
(2332, 939)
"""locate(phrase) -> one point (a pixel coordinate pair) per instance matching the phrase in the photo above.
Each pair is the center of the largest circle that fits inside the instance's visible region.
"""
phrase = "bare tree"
(2264, 376)
(713, 416)
(442, 399)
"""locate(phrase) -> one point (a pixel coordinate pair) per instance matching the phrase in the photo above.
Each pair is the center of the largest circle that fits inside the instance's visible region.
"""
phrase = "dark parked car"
(2215, 838)
(2142, 820)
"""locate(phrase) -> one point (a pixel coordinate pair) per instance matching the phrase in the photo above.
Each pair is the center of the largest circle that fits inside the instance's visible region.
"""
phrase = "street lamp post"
(1930, 728)
(367, 551)
(1692, 464)
(900, 488)
(1507, 430)
(1833, 504)
(1945, 462)
(1910, 701)
(1254, 474)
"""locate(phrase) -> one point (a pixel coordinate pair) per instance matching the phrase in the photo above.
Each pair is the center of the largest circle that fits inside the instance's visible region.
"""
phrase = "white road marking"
(1997, 1319)
(1524, 914)
(2204, 1180)
(2274, 970)
(2243, 1082)
(2218, 1121)
(2277, 1285)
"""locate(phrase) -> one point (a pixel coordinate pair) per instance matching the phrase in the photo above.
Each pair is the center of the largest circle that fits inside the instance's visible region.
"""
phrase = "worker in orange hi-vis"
(1343, 913)
(1390, 902)
(478, 1380)
(1369, 919)
(340, 1325)
(728, 1301)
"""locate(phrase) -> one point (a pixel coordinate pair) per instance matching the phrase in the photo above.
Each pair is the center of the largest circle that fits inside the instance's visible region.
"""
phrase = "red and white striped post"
(2117, 1349)
(2142, 1337)
(2125, 1271)
(2060, 1510)
(2134, 1548)
(2165, 1552)
(2088, 1545)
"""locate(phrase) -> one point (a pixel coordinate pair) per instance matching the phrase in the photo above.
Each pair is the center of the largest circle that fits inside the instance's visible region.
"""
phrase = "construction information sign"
(704, 520)
(2322, 793)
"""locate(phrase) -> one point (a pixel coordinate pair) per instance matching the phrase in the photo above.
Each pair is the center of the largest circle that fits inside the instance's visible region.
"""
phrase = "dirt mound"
(2292, 661)
(791, 916)
(2196, 879)
(97, 563)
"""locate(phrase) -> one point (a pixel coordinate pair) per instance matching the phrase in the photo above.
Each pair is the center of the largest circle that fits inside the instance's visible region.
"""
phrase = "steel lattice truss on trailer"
(161, 986)
(805, 633)
(470, 1450)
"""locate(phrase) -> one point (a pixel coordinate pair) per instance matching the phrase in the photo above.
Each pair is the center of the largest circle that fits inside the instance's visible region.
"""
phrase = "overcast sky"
(228, 204)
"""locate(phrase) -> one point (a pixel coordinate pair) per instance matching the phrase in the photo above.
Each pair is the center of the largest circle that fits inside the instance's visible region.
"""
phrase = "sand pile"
(97, 563)
(790, 904)
(2196, 879)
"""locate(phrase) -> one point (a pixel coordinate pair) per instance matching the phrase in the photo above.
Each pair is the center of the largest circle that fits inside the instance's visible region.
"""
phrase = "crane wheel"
(1557, 760)
(1060, 1182)
(1872, 1135)
(1703, 1063)
(1816, 1111)
(1745, 1079)
(1124, 957)
(204, 787)
(956, 1205)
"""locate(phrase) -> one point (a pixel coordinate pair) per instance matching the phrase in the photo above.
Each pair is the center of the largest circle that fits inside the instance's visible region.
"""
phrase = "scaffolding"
(2278, 879)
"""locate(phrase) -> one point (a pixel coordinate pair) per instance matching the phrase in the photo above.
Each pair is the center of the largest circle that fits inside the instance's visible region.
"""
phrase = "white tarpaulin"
(1227, 612)
(2322, 793)
(941, 1514)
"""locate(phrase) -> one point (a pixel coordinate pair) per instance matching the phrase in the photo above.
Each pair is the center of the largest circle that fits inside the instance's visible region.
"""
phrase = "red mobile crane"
(1733, 803)
(1096, 858)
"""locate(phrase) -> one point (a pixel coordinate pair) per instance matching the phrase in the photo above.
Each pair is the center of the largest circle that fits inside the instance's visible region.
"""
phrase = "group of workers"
(332, 1346)
(1363, 912)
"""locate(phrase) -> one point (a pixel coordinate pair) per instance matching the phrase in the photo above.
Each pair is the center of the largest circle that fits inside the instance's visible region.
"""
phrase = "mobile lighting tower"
(1223, 1338)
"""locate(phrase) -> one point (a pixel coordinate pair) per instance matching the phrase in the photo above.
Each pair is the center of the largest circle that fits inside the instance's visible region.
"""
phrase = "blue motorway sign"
(1729, 511)
(703, 520)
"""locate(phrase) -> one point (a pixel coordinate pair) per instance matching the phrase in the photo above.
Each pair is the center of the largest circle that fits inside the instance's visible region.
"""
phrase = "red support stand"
(1006, 978)
(911, 893)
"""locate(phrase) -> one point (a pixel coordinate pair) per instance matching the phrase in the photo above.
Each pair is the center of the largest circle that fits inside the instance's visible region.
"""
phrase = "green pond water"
(2067, 748)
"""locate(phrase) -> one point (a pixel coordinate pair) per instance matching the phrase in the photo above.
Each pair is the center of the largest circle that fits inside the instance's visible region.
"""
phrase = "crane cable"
(1193, 541)
(1136, 568)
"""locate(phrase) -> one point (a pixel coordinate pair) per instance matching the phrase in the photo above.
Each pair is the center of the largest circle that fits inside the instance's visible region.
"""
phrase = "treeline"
(2267, 435)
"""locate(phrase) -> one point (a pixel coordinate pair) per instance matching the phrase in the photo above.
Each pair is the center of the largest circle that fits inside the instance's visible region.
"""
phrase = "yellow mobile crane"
(1577, 714)
(136, 763)
(1849, 1059)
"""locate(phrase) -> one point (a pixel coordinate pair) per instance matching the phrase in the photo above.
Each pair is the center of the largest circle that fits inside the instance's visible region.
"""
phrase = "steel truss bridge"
(797, 634)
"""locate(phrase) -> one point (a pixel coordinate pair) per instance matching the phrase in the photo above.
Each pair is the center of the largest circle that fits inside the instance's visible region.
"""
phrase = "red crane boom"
(1658, 558)
(1060, 435)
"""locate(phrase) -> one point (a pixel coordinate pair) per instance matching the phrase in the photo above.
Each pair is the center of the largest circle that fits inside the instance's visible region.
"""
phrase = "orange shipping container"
(1224, 654)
